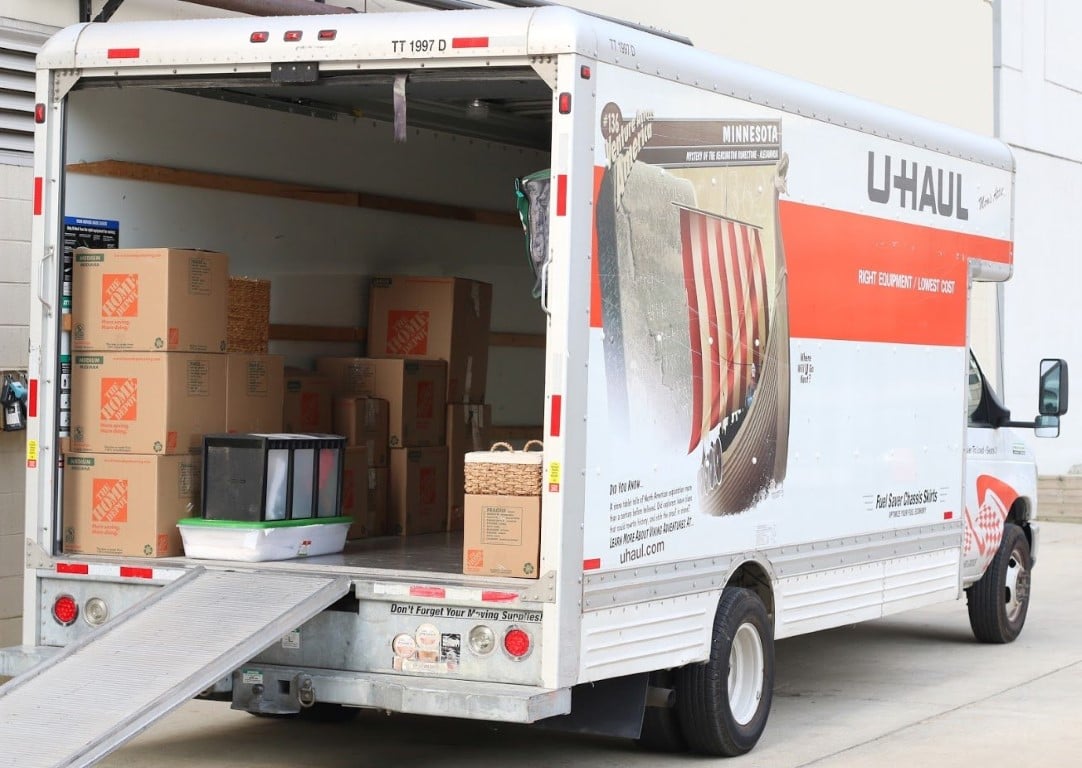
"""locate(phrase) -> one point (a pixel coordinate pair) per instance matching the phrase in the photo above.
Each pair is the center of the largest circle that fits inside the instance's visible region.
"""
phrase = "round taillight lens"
(516, 642)
(65, 610)
(96, 611)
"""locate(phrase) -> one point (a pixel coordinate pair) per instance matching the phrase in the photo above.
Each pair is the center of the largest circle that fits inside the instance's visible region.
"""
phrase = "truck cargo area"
(305, 185)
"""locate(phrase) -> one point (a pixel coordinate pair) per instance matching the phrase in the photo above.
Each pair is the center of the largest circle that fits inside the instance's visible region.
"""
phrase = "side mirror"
(1046, 426)
(1053, 388)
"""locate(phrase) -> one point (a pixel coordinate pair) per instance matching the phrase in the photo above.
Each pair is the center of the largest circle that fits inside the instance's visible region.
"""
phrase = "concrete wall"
(1040, 111)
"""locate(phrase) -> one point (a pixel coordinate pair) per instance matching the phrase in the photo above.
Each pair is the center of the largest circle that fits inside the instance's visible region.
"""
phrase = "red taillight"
(565, 103)
(328, 34)
(516, 642)
(260, 37)
(39, 113)
(65, 610)
(292, 36)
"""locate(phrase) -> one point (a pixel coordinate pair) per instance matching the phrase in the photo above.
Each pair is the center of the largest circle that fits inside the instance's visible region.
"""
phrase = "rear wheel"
(998, 603)
(723, 704)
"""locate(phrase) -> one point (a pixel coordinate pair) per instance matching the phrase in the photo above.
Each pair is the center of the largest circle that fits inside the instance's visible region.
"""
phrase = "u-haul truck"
(761, 417)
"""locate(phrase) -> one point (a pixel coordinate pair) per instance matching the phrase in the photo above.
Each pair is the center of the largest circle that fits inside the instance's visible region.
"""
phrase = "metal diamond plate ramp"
(96, 694)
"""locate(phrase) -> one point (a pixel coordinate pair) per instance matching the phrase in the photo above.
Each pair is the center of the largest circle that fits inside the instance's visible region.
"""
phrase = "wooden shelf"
(120, 169)
(346, 334)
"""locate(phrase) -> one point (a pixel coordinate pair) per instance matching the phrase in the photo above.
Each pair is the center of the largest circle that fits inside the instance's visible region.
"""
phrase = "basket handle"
(504, 446)
(538, 443)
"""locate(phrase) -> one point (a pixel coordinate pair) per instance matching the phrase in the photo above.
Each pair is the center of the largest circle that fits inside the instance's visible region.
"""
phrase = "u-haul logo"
(110, 504)
(119, 399)
(120, 295)
(407, 332)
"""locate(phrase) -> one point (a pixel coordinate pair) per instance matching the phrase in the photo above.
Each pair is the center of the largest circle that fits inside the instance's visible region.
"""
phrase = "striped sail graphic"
(739, 341)
(728, 314)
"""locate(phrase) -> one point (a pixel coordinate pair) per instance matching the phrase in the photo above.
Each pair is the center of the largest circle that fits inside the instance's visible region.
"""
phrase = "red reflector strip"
(498, 597)
(557, 409)
(136, 573)
(32, 399)
(592, 564)
(428, 592)
(37, 195)
(561, 195)
(469, 42)
(39, 113)
(82, 568)
(292, 35)
(948, 515)
(328, 34)
(123, 53)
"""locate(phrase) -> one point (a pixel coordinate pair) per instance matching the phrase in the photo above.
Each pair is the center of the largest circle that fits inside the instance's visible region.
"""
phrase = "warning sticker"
(251, 677)
(554, 477)
(31, 454)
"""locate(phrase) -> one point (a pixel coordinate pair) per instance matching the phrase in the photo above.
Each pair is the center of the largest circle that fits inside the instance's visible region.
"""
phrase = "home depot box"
(467, 430)
(145, 402)
(128, 505)
(307, 403)
(364, 421)
(502, 535)
(436, 318)
(366, 521)
(254, 392)
(413, 389)
(418, 493)
(147, 299)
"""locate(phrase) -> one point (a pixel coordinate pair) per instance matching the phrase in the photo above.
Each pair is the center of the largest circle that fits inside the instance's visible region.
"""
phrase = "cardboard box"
(128, 505)
(364, 421)
(366, 522)
(434, 318)
(149, 299)
(308, 402)
(379, 490)
(145, 402)
(502, 536)
(467, 430)
(254, 392)
(413, 389)
(418, 493)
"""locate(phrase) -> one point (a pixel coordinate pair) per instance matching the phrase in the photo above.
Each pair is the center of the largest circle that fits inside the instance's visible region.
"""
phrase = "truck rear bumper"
(264, 688)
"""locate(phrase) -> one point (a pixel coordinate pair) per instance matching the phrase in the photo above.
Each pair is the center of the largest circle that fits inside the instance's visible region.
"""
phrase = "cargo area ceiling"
(507, 105)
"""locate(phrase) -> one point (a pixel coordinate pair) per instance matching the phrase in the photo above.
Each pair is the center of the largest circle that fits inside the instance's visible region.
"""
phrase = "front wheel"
(998, 603)
(723, 703)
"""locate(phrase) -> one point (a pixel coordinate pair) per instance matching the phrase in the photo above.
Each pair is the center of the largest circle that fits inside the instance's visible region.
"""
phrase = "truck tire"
(998, 603)
(661, 725)
(723, 703)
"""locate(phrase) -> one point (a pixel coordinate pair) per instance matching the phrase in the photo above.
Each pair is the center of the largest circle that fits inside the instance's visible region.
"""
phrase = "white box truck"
(761, 416)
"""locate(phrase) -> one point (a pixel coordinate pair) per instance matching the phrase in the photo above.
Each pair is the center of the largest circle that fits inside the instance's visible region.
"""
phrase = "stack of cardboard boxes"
(448, 319)
(148, 381)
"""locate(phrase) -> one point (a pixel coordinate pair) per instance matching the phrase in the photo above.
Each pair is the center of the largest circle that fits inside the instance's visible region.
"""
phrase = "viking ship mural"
(695, 319)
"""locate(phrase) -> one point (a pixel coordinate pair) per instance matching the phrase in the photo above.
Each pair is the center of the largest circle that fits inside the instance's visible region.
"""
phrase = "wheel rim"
(746, 670)
(1016, 586)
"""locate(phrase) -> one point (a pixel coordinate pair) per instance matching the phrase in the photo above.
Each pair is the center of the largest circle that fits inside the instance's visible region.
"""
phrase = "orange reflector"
(292, 36)
(565, 103)
(259, 37)
(516, 642)
(65, 610)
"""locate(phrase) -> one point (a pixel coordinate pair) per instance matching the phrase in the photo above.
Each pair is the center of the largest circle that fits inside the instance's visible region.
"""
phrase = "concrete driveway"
(914, 689)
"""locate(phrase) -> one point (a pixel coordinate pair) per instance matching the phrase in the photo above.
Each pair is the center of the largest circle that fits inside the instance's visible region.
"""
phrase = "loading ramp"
(96, 694)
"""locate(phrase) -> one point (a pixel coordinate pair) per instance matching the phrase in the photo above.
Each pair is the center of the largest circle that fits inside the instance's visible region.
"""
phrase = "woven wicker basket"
(504, 471)
(248, 325)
